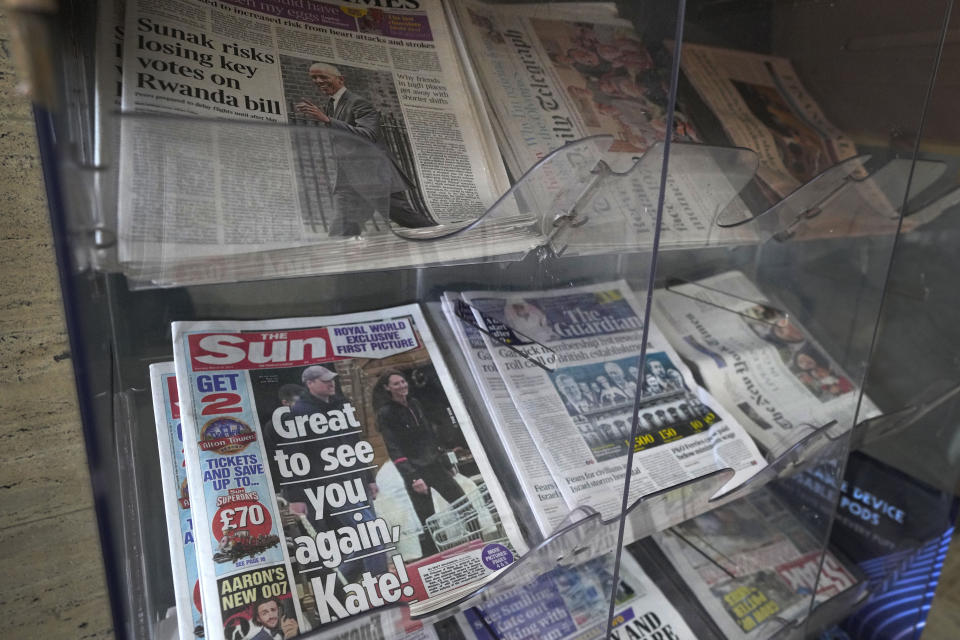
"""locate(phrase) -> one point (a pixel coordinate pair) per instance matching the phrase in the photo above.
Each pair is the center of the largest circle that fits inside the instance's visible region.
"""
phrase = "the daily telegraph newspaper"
(570, 360)
(574, 602)
(334, 470)
(753, 565)
(390, 77)
(176, 501)
(548, 506)
(758, 361)
(558, 72)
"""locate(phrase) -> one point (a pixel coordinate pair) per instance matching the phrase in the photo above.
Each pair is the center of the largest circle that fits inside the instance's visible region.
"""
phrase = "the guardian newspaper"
(570, 359)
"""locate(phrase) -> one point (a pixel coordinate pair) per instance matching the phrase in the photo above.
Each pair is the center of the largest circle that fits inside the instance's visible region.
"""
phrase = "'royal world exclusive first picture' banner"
(336, 470)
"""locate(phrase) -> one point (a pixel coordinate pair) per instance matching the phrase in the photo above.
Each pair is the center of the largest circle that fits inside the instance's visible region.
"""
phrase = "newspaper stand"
(825, 254)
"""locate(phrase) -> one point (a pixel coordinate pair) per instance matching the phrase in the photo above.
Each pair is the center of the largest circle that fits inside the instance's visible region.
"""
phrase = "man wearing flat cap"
(322, 396)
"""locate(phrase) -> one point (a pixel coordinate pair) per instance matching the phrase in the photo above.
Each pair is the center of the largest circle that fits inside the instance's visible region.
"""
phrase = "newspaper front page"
(574, 602)
(753, 565)
(757, 361)
(548, 506)
(762, 105)
(176, 501)
(553, 75)
(570, 359)
(390, 77)
(335, 469)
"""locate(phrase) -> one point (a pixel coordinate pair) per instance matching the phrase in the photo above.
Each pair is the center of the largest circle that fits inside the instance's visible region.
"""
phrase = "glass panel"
(780, 329)
(694, 249)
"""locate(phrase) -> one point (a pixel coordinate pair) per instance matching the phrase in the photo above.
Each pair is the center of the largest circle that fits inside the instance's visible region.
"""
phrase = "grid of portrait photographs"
(803, 359)
(599, 397)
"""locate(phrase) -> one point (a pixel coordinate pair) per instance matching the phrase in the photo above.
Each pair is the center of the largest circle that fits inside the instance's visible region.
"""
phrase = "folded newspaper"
(574, 602)
(391, 136)
(176, 501)
(754, 566)
(553, 73)
(758, 361)
(569, 360)
(394, 107)
(334, 469)
(548, 506)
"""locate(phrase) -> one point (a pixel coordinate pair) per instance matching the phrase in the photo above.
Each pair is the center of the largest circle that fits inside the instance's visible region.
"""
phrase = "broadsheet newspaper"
(753, 565)
(574, 602)
(548, 506)
(756, 360)
(334, 469)
(390, 78)
(762, 105)
(578, 406)
(176, 501)
(558, 72)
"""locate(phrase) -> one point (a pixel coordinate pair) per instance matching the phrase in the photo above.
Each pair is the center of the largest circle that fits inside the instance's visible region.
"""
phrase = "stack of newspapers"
(408, 120)
(334, 469)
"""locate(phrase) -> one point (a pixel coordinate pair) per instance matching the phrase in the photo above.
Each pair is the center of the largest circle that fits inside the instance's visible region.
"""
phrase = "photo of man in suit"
(357, 175)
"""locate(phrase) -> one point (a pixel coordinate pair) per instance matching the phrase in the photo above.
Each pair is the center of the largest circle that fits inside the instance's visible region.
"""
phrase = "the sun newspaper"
(570, 360)
(754, 566)
(758, 360)
(176, 501)
(334, 469)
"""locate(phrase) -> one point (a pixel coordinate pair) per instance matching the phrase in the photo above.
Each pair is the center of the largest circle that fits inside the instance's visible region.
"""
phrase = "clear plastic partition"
(782, 330)
(664, 329)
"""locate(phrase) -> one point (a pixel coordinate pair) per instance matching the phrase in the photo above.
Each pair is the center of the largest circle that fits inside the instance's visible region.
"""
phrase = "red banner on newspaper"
(259, 350)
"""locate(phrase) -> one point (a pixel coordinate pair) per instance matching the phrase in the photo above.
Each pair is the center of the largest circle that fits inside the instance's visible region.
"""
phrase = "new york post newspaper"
(336, 470)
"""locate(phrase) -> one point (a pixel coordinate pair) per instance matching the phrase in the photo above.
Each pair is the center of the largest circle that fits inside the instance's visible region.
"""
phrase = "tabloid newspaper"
(334, 469)
(390, 77)
(557, 72)
(548, 506)
(176, 501)
(578, 406)
(757, 360)
(753, 565)
(574, 602)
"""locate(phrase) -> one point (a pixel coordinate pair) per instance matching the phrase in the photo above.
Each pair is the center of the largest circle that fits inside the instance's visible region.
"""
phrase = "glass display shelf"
(776, 273)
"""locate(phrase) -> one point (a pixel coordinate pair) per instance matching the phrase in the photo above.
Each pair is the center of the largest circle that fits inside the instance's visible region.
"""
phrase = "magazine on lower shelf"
(754, 565)
(333, 468)
(574, 602)
(176, 501)
(758, 360)
(570, 358)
